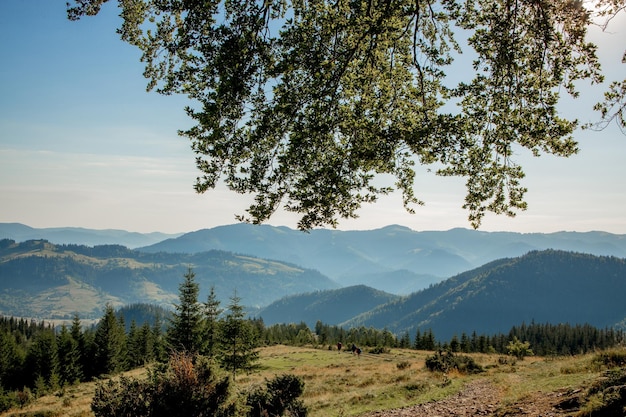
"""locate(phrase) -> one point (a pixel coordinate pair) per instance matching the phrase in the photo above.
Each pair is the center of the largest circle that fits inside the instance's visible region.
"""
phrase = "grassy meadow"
(343, 384)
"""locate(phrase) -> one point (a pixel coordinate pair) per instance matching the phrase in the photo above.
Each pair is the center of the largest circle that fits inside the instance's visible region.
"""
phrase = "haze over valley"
(395, 278)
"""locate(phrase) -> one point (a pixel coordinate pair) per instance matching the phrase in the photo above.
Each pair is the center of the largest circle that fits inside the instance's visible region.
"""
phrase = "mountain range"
(393, 259)
(44, 280)
(390, 278)
(81, 236)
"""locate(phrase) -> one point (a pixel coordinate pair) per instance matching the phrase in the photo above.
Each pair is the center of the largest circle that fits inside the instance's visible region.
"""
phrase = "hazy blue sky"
(83, 144)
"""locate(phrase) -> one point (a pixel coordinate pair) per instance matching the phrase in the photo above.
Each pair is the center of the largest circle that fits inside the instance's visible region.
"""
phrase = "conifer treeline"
(41, 357)
(544, 339)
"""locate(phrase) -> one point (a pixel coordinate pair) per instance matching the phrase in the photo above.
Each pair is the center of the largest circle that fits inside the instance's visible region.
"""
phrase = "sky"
(82, 144)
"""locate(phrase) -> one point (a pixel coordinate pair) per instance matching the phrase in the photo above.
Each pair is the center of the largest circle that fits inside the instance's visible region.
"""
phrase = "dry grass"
(342, 384)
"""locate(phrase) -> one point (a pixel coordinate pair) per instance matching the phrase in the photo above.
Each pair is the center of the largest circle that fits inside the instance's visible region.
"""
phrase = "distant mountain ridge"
(81, 236)
(393, 259)
(352, 257)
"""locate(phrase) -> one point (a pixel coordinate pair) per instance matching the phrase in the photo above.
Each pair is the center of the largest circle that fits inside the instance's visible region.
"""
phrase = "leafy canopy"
(308, 104)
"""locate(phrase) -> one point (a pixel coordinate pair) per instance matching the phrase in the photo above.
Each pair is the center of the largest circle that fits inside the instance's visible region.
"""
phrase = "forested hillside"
(329, 306)
(40, 279)
(543, 286)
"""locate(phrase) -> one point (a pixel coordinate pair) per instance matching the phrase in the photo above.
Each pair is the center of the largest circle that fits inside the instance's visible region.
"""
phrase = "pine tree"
(159, 350)
(146, 341)
(70, 370)
(212, 312)
(12, 357)
(428, 340)
(455, 346)
(238, 339)
(83, 350)
(41, 360)
(185, 331)
(418, 343)
(405, 340)
(135, 355)
(109, 344)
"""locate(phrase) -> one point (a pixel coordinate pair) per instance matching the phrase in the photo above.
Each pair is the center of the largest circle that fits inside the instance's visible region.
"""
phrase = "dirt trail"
(480, 398)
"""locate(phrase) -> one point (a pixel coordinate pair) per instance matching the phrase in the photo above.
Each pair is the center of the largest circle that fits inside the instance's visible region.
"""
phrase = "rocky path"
(480, 398)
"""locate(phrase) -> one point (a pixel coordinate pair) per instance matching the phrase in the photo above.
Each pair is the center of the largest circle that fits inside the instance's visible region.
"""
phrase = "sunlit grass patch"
(342, 384)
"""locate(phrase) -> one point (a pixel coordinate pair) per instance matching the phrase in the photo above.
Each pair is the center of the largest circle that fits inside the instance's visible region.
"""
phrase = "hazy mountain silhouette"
(80, 236)
(346, 256)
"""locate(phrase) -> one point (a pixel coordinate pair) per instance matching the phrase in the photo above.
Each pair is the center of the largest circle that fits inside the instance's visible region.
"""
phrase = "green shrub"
(447, 361)
(612, 358)
(7, 400)
(122, 397)
(519, 349)
(279, 398)
(10, 399)
(183, 388)
(378, 350)
(607, 396)
(403, 365)
(188, 386)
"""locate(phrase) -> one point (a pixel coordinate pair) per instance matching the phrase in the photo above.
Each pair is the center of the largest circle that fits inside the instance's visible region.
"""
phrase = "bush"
(183, 388)
(188, 386)
(447, 361)
(519, 349)
(7, 400)
(609, 393)
(10, 399)
(378, 350)
(279, 398)
(124, 397)
(403, 365)
(612, 358)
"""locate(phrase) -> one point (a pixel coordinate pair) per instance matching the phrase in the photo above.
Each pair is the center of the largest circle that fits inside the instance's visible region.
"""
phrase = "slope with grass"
(41, 279)
(397, 384)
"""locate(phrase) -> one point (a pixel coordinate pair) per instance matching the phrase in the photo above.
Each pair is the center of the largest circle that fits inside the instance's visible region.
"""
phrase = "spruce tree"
(212, 312)
(159, 350)
(133, 346)
(239, 341)
(146, 341)
(109, 344)
(185, 331)
(42, 361)
(12, 357)
(83, 348)
(70, 369)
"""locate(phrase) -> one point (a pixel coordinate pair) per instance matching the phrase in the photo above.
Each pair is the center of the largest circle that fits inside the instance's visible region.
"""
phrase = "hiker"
(339, 347)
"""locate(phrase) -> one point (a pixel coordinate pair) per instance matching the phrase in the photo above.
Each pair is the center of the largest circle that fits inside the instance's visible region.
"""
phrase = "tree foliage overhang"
(303, 103)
